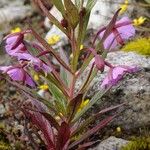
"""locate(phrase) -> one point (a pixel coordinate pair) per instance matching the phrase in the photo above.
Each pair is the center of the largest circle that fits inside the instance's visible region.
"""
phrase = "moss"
(140, 45)
(4, 146)
(142, 143)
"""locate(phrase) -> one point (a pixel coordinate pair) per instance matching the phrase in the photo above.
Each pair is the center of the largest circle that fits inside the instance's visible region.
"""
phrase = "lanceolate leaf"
(85, 145)
(58, 97)
(74, 105)
(65, 75)
(52, 121)
(59, 5)
(63, 136)
(102, 124)
(94, 117)
(95, 98)
(40, 121)
(51, 17)
(72, 13)
(89, 6)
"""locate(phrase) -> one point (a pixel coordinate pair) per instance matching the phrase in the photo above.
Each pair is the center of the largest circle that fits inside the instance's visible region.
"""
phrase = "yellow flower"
(36, 77)
(58, 117)
(44, 87)
(53, 39)
(139, 21)
(83, 104)
(124, 7)
(81, 47)
(15, 30)
(118, 129)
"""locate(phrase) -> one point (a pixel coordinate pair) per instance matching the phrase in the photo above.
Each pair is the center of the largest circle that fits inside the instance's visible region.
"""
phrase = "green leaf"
(89, 6)
(72, 13)
(96, 97)
(59, 98)
(51, 17)
(78, 3)
(64, 74)
(59, 5)
(74, 105)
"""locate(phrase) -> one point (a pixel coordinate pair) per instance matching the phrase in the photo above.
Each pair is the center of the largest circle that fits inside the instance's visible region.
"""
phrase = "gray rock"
(13, 10)
(112, 143)
(134, 90)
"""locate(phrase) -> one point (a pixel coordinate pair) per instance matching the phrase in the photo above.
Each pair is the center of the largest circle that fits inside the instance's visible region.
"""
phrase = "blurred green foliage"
(140, 45)
(142, 143)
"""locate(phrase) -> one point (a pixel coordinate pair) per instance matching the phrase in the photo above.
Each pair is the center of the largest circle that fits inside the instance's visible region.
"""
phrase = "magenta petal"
(16, 74)
(11, 40)
(29, 81)
(110, 41)
(125, 30)
(13, 52)
(116, 74)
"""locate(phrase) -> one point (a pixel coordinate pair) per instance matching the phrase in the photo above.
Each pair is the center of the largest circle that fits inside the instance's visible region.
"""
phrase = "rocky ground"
(134, 90)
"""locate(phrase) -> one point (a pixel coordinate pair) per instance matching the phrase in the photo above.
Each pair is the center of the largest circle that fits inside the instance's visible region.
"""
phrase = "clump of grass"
(140, 45)
(141, 143)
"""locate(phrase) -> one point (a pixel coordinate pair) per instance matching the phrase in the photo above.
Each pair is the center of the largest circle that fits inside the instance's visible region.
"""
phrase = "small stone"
(112, 143)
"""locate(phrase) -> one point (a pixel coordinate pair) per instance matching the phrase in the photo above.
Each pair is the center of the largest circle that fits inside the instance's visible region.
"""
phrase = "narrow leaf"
(59, 5)
(52, 121)
(40, 121)
(63, 135)
(72, 13)
(102, 124)
(51, 17)
(74, 105)
(95, 98)
(94, 117)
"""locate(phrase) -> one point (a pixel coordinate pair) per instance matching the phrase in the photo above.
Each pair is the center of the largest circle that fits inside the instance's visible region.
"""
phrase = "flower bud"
(64, 23)
(82, 12)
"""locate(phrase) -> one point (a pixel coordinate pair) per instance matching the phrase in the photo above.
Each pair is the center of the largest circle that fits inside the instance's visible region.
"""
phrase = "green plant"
(142, 143)
(59, 117)
(140, 45)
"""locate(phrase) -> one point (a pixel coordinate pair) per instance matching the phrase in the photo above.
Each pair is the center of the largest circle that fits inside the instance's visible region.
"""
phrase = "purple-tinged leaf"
(102, 124)
(74, 105)
(42, 123)
(96, 116)
(52, 121)
(63, 136)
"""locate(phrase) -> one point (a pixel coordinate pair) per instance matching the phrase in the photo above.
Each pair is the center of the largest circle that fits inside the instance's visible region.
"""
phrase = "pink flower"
(14, 44)
(36, 62)
(115, 74)
(122, 31)
(18, 74)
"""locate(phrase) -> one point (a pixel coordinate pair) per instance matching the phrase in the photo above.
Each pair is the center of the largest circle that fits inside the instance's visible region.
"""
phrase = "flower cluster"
(15, 47)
